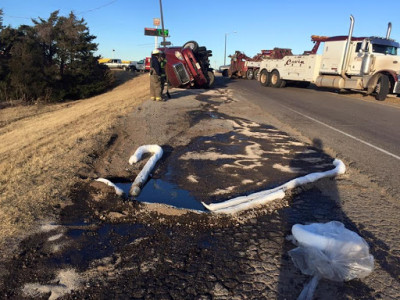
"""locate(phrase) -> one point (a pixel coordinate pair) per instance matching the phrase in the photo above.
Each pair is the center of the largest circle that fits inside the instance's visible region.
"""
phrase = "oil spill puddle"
(97, 241)
(160, 191)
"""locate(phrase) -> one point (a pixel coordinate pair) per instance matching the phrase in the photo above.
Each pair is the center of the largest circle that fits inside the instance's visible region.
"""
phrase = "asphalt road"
(365, 133)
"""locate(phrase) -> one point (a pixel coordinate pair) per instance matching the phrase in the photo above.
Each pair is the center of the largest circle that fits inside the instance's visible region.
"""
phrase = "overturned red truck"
(189, 66)
(243, 66)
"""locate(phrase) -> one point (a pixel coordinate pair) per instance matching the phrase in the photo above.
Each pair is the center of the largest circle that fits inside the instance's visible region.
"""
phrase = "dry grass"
(42, 148)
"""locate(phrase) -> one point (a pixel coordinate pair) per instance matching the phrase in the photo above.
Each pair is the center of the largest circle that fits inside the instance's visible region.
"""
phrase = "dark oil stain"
(95, 243)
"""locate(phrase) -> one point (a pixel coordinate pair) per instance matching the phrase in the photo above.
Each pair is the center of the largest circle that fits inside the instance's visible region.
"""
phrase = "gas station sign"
(156, 21)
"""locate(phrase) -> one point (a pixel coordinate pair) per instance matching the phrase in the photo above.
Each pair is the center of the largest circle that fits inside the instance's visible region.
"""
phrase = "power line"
(96, 8)
(141, 45)
(16, 17)
(79, 13)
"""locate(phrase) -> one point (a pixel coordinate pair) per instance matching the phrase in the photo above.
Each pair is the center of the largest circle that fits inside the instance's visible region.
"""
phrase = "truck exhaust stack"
(347, 49)
(389, 30)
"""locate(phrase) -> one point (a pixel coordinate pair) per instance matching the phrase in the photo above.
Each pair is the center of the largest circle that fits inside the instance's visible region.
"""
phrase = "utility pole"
(162, 22)
(225, 50)
(226, 34)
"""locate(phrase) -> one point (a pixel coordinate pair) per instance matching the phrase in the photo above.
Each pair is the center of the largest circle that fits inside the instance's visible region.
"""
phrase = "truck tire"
(250, 74)
(382, 88)
(192, 45)
(225, 73)
(264, 78)
(276, 80)
(255, 75)
(211, 79)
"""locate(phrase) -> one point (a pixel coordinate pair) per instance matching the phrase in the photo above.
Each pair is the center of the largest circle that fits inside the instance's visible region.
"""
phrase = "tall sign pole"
(162, 22)
(156, 22)
(156, 40)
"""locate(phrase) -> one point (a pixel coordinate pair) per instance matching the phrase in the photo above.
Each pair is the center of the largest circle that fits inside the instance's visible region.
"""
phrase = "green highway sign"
(156, 32)
(160, 32)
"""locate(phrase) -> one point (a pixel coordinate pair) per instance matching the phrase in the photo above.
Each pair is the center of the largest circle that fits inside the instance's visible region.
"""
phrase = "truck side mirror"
(363, 46)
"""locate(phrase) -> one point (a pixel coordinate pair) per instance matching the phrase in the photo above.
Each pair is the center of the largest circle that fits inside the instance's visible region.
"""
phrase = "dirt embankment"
(44, 149)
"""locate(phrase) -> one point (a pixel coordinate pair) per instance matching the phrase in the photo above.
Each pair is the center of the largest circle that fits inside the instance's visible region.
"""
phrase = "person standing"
(155, 76)
(163, 63)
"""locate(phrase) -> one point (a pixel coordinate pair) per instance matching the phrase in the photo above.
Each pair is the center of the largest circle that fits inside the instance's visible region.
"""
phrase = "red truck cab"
(189, 66)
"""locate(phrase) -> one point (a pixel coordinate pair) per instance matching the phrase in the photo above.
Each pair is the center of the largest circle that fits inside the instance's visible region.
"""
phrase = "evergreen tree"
(81, 75)
(26, 65)
(1, 19)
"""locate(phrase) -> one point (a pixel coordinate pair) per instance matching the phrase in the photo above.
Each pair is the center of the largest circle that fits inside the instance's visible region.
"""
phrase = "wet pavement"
(105, 247)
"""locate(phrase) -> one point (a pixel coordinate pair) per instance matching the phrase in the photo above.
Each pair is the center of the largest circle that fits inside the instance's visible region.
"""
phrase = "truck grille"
(181, 73)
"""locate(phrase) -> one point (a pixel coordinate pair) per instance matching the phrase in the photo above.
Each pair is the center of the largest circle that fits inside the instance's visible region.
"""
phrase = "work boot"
(158, 99)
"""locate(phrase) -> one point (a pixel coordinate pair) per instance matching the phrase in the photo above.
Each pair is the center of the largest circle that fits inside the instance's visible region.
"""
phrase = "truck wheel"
(225, 73)
(255, 74)
(192, 45)
(264, 78)
(382, 88)
(250, 74)
(211, 79)
(276, 80)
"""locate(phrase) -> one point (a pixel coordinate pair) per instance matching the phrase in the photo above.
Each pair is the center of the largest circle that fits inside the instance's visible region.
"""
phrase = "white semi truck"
(367, 64)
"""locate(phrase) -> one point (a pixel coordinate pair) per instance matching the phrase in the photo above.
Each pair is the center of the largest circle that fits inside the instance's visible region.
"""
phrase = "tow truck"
(367, 64)
(243, 66)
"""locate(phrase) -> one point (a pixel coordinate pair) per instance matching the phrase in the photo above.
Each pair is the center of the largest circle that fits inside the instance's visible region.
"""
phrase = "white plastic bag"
(329, 251)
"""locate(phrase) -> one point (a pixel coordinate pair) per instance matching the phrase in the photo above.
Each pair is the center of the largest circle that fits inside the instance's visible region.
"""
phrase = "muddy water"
(161, 191)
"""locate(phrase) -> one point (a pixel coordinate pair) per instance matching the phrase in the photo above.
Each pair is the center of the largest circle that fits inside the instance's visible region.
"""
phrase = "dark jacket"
(155, 65)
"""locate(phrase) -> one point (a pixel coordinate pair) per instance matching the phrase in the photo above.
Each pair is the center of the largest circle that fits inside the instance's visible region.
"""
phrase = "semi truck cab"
(374, 54)
(189, 66)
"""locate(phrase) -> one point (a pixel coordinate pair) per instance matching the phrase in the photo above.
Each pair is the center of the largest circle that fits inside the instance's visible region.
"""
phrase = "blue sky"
(260, 24)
